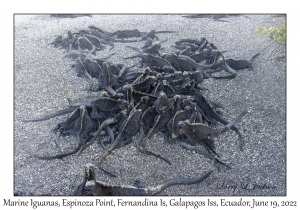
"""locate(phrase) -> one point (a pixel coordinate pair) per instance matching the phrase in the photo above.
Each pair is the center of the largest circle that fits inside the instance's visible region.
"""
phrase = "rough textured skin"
(181, 63)
(173, 122)
(76, 56)
(84, 43)
(112, 120)
(104, 104)
(127, 33)
(107, 80)
(95, 41)
(128, 128)
(201, 131)
(79, 123)
(154, 50)
(104, 189)
(144, 85)
(148, 118)
(93, 68)
(241, 64)
(193, 41)
(149, 60)
(162, 104)
(137, 95)
(160, 121)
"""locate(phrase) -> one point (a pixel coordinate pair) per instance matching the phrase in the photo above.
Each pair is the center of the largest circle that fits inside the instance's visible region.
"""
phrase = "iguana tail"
(86, 104)
(124, 41)
(176, 181)
(252, 59)
(134, 48)
(134, 56)
(163, 32)
(142, 149)
(228, 126)
(49, 116)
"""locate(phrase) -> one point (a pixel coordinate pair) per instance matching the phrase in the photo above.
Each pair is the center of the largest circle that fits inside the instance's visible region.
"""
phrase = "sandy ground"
(44, 79)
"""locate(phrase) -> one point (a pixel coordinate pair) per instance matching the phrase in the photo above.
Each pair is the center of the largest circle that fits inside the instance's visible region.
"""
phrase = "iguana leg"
(110, 133)
(57, 143)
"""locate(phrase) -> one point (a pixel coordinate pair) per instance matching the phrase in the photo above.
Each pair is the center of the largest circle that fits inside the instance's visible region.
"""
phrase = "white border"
(150, 6)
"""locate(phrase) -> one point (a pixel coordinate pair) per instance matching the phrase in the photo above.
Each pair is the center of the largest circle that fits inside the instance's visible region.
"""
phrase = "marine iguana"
(199, 56)
(219, 61)
(147, 119)
(151, 42)
(154, 50)
(93, 68)
(197, 42)
(130, 77)
(160, 121)
(188, 85)
(241, 64)
(127, 33)
(201, 132)
(80, 68)
(104, 104)
(79, 123)
(180, 115)
(84, 43)
(184, 45)
(181, 63)
(152, 34)
(137, 95)
(146, 73)
(149, 60)
(109, 39)
(209, 112)
(136, 33)
(129, 128)
(58, 41)
(187, 51)
(91, 27)
(112, 120)
(96, 42)
(104, 189)
(76, 56)
(107, 81)
(162, 103)
(141, 105)
(145, 85)
(142, 148)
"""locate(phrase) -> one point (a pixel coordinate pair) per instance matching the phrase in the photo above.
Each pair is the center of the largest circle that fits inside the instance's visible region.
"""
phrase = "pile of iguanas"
(162, 94)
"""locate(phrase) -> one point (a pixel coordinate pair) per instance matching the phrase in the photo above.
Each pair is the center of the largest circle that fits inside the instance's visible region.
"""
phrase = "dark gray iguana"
(104, 104)
(79, 123)
(104, 189)
(201, 132)
(182, 62)
(129, 128)
(241, 64)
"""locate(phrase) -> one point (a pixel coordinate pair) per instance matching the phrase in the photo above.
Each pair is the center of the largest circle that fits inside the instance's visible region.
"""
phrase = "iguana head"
(182, 126)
